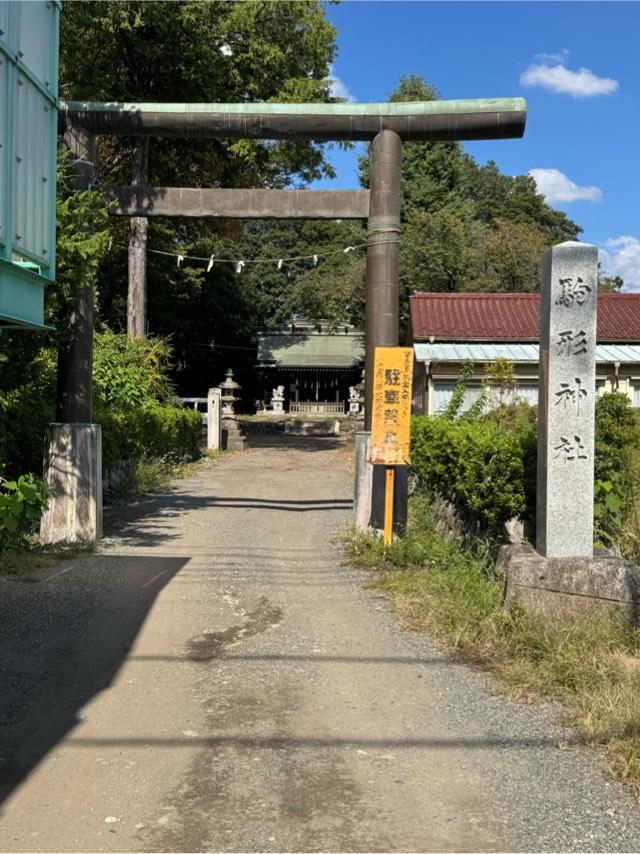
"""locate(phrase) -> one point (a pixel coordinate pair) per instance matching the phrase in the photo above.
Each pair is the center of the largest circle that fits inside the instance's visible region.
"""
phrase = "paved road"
(218, 681)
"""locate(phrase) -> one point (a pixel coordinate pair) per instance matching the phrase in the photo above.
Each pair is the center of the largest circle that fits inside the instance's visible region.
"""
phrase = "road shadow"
(64, 637)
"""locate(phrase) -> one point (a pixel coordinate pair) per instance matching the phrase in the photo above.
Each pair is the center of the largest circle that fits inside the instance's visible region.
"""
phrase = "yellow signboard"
(391, 413)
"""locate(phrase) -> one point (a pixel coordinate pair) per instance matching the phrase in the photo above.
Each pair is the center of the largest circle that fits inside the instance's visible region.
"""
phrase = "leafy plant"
(22, 503)
(457, 398)
(607, 512)
(500, 383)
(131, 372)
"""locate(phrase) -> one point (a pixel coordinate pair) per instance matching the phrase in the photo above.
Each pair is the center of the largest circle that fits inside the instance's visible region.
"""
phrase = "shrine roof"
(308, 348)
(511, 317)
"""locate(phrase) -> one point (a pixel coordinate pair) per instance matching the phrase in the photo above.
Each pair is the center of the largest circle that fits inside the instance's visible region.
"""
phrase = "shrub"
(130, 372)
(151, 432)
(474, 463)
(487, 464)
(22, 503)
(617, 433)
(27, 405)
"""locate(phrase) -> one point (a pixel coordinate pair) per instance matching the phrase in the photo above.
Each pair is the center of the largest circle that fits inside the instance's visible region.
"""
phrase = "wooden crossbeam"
(238, 204)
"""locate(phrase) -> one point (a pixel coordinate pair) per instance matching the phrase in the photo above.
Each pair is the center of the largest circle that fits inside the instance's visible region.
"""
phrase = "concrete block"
(73, 471)
(551, 586)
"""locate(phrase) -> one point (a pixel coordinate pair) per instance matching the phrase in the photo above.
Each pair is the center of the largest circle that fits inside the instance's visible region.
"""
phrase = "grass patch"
(148, 474)
(589, 663)
(34, 556)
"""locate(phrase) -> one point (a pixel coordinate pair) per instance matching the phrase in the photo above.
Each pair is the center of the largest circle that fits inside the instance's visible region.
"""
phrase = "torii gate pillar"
(383, 251)
(381, 322)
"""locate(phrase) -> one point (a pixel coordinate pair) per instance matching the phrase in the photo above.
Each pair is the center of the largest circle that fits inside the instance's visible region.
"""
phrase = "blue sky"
(576, 63)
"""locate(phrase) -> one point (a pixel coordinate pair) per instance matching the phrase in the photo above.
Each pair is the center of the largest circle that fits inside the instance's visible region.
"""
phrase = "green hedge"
(487, 465)
(477, 464)
(153, 431)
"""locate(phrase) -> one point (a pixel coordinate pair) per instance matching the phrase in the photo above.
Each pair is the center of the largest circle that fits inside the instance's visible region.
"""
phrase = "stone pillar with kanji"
(566, 402)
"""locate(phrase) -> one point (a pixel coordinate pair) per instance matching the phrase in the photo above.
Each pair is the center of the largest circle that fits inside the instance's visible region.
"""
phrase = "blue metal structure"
(29, 35)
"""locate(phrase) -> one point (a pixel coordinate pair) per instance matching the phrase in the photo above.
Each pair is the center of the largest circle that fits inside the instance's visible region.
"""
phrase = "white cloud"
(620, 256)
(560, 57)
(549, 71)
(555, 186)
(225, 50)
(338, 88)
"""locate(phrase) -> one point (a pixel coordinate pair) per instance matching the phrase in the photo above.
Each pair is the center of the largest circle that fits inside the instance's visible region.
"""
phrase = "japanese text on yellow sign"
(391, 415)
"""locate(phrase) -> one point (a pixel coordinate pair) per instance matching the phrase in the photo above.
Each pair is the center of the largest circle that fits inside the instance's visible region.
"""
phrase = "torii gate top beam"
(482, 118)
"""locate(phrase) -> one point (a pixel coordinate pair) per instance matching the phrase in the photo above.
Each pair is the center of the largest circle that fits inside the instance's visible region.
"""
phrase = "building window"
(528, 393)
(443, 392)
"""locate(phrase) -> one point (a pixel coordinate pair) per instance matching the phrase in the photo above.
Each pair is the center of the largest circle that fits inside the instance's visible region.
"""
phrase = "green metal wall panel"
(35, 46)
(28, 140)
(4, 23)
(21, 296)
(4, 147)
(32, 141)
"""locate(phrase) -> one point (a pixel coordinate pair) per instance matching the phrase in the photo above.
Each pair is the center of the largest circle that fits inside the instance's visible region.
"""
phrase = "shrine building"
(316, 363)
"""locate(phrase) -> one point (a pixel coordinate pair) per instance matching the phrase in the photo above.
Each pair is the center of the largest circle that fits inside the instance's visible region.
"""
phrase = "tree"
(202, 52)
(434, 174)
(608, 284)
(496, 197)
(500, 383)
(508, 258)
(436, 252)
(193, 52)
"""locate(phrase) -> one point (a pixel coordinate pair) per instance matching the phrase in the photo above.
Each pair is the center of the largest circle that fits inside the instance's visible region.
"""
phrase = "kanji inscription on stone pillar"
(566, 402)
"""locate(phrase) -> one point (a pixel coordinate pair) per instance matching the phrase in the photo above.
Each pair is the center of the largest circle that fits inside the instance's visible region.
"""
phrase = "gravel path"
(217, 680)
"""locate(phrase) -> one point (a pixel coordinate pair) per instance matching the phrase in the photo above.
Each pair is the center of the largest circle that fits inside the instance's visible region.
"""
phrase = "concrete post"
(363, 481)
(73, 471)
(214, 419)
(566, 402)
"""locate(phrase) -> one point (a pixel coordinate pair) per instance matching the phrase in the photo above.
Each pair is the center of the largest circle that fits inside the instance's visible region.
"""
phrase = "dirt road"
(218, 681)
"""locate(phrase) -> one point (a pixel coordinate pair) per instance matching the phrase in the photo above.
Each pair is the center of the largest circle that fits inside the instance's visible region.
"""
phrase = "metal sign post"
(391, 419)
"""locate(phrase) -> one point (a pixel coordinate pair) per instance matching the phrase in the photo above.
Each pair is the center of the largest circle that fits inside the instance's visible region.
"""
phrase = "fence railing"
(317, 408)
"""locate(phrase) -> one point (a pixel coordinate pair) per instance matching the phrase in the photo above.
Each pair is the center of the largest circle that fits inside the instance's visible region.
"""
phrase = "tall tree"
(196, 52)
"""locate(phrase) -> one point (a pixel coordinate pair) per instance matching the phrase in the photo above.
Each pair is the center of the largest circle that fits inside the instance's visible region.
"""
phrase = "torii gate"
(386, 126)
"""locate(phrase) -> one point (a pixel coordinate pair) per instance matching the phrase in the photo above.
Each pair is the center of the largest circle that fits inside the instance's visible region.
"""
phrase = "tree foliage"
(204, 52)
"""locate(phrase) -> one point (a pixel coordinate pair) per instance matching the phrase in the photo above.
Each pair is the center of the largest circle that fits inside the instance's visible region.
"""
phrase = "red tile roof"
(511, 317)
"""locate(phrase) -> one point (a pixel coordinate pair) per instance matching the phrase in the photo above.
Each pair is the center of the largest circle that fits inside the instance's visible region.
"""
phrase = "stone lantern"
(229, 397)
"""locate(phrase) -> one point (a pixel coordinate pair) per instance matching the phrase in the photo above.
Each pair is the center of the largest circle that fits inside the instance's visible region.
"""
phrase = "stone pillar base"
(232, 436)
(73, 471)
(552, 586)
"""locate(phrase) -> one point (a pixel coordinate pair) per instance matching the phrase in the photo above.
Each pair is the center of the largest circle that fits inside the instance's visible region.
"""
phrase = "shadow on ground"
(63, 640)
